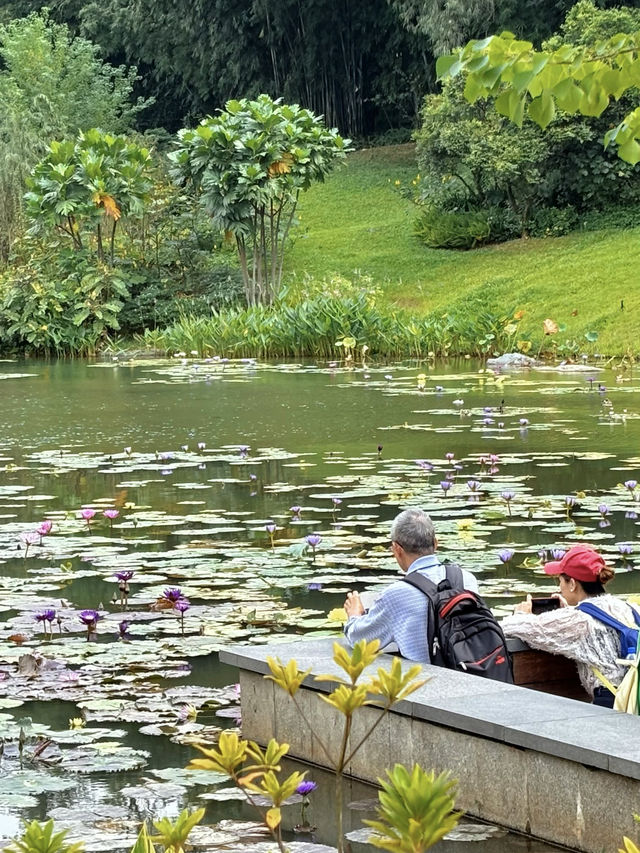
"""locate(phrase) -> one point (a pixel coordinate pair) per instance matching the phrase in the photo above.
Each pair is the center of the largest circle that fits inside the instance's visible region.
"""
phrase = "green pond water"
(198, 458)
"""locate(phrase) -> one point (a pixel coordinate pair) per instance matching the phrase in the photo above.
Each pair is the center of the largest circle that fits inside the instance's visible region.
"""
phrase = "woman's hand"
(353, 605)
(524, 606)
(563, 601)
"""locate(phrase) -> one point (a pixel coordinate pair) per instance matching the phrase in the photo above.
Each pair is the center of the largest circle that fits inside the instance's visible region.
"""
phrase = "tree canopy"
(249, 164)
(578, 79)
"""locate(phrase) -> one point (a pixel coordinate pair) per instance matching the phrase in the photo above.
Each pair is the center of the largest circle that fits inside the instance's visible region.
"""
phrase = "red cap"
(580, 562)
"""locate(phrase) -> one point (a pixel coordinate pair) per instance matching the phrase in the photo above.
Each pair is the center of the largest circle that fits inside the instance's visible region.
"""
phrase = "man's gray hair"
(413, 530)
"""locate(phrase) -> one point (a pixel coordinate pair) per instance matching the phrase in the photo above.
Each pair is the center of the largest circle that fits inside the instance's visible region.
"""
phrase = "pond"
(214, 472)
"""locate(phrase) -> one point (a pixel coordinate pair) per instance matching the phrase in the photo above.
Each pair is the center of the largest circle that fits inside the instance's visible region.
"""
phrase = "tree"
(249, 165)
(576, 79)
(472, 158)
(83, 187)
(51, 85)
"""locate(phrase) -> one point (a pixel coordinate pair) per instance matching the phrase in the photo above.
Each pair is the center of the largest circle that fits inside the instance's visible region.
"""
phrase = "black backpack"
(462, 632)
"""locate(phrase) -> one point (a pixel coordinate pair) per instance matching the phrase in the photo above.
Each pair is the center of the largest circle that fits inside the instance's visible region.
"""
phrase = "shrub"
(444, 230)
(553, 221)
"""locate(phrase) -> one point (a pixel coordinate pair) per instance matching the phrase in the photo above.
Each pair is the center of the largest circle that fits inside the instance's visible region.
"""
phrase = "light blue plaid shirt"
(400, 614)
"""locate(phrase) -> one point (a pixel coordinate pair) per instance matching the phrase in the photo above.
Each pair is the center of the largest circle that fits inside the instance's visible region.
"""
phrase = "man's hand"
(353, 605)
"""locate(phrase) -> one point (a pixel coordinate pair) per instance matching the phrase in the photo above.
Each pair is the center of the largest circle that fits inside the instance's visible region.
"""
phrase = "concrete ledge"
(561, 770)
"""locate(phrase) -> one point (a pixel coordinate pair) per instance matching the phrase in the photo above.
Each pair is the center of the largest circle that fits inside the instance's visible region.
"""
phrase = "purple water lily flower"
(507, 497)
(424, 464)
(487, 421)
(524, 422)
(603, 509)
(87, 514)
(505, 555)
(253, 478)
(243, 450)
(625, 548)
(570, 503)
(631, 485)
(123, 630)
(270, 528)
(124, 575)
(445, 485)
(30, 537)
(473, 485)
(306, 787)
(449, 456)
(312, 587)
(313, 540)
(439, 389)
(296, 510)
(182, 606)
(172, 594)
(90, 618)
(44, 616)
(557, 554)
(336, 501)
(631, 514)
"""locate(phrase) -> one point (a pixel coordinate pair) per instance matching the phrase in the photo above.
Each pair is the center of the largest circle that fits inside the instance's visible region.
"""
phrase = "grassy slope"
(356, 221)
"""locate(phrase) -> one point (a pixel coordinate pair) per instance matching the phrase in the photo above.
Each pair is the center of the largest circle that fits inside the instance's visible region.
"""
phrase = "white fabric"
(569, 632)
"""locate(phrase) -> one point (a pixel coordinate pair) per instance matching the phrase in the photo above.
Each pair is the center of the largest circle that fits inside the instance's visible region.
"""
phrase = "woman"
(568, 631)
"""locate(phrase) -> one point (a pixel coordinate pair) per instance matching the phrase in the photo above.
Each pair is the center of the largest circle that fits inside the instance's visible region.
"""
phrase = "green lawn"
(358, 221)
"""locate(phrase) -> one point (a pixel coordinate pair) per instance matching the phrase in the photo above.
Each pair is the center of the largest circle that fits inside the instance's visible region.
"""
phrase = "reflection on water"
(215, 454)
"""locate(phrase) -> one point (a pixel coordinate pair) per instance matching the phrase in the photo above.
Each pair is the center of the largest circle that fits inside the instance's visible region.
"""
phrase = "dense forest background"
(364, 64)
(152, 161)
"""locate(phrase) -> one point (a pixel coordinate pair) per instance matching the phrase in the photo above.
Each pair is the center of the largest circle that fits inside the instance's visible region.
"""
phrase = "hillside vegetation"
(358, 222)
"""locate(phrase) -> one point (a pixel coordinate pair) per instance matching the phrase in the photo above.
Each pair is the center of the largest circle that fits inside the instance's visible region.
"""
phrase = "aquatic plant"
(44, 529)
(271, 530)
(445, 485)
(111, 514)
(506, 555)
(123, 577)
(173, 835)
(507, 497)
(256, 771)
(182, 606)
(415, 811)
(313, 540)
(304, 789)
(31, 537)
(87, 514)
(40, 838)
(46, 616)
(90, 619)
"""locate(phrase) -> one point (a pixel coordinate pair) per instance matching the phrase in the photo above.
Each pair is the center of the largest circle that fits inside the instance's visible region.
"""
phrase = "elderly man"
(400, 614)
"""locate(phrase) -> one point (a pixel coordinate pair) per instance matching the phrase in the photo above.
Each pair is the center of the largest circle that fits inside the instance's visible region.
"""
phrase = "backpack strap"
(429, 589)
(622, 629)
(454, 575)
